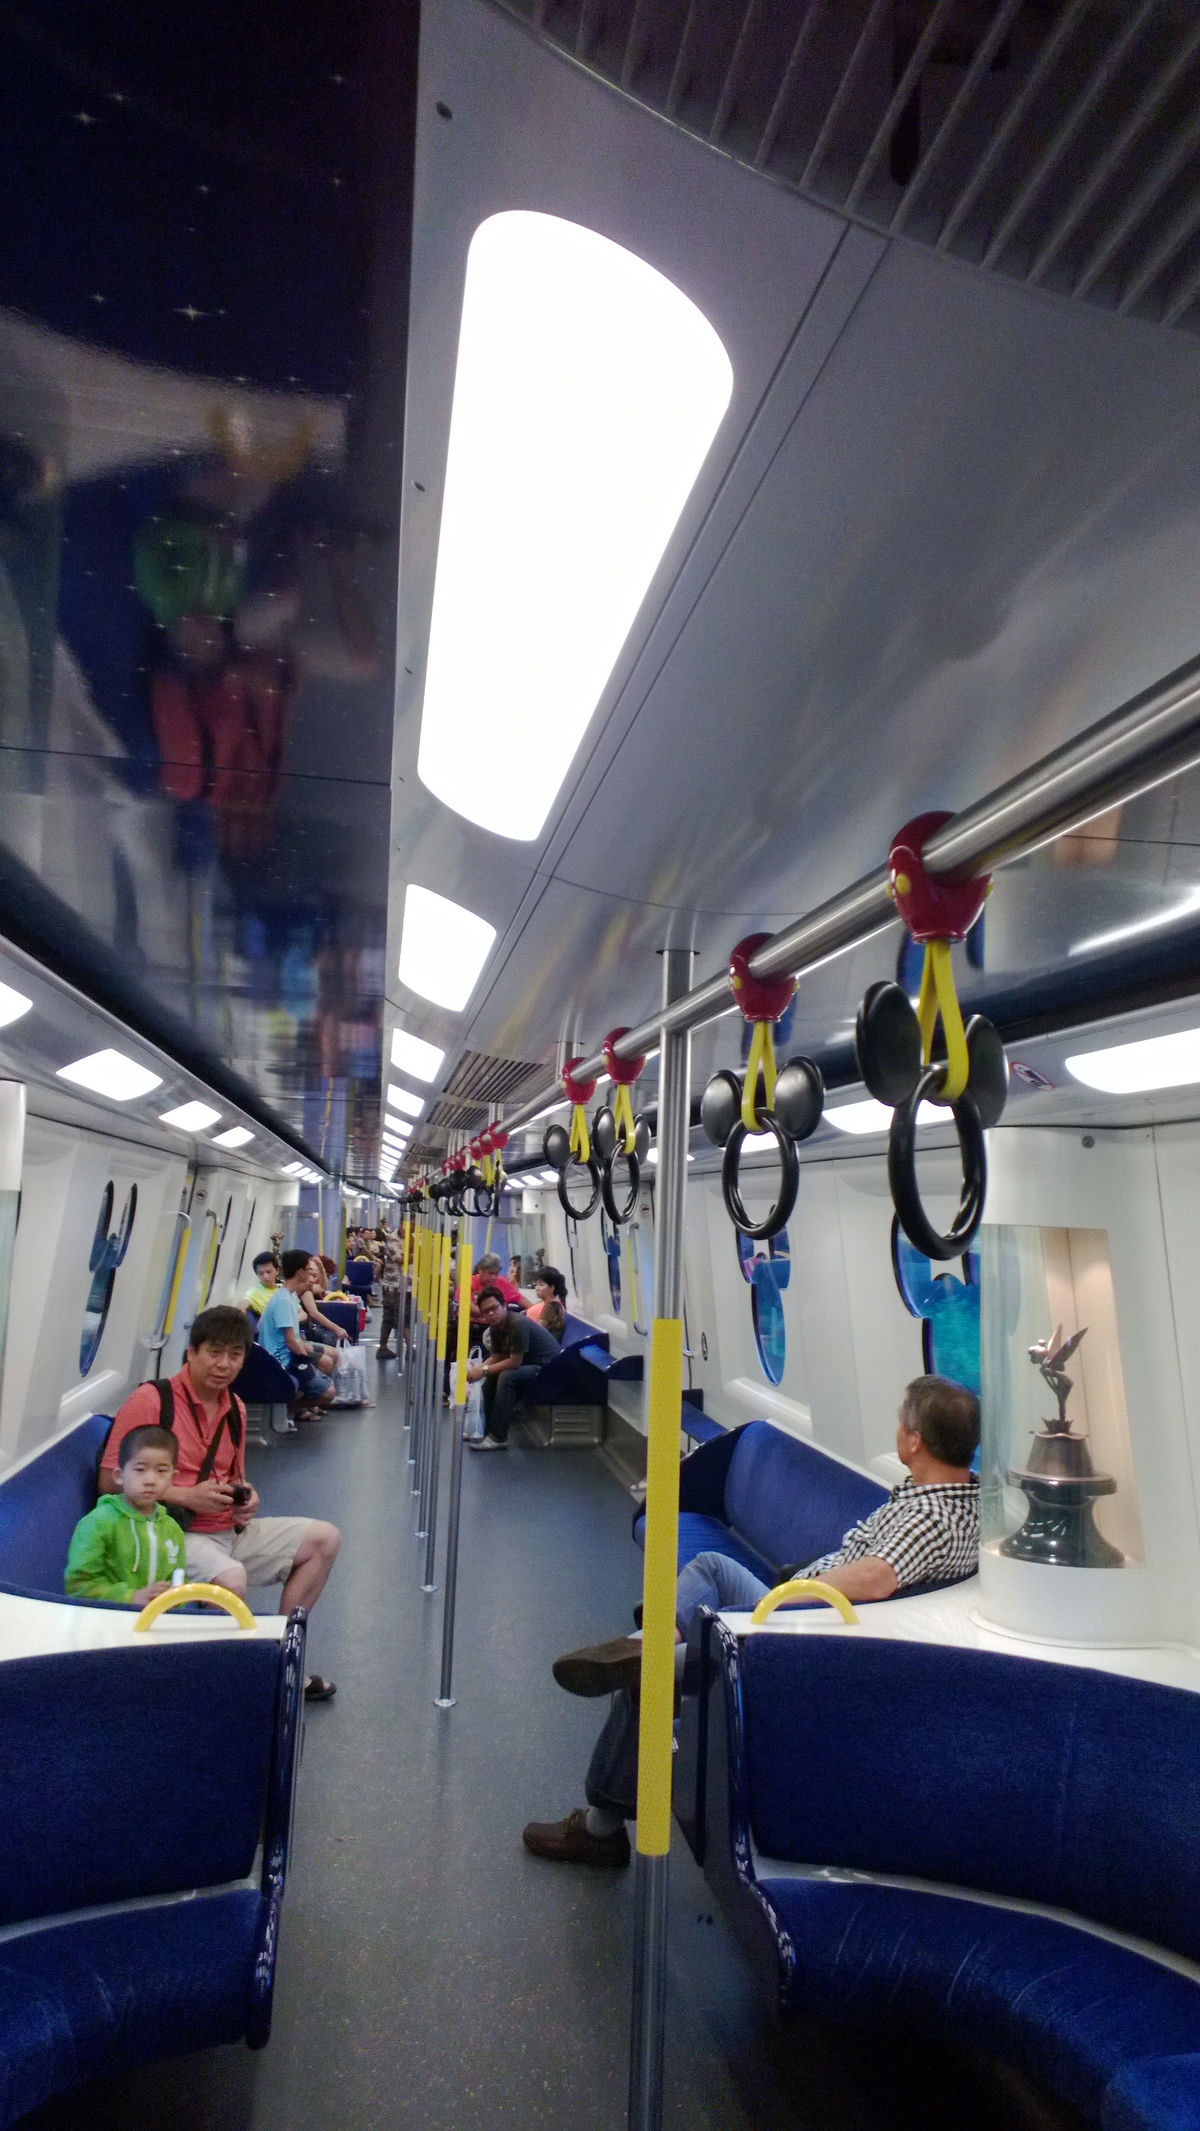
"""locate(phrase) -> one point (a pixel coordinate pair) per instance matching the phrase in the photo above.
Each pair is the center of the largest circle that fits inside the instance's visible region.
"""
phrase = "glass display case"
(1057, 1484)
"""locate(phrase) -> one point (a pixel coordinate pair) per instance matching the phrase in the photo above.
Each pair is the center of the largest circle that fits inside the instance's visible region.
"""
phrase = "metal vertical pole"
(435, 1415)
(664, 1395)
(444, 1698)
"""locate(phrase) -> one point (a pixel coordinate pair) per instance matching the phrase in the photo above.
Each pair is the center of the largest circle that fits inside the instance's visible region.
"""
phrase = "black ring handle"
(902, 1170)
(618, 1215)
(579, 1213)
(484, 1192)
(789, 1180)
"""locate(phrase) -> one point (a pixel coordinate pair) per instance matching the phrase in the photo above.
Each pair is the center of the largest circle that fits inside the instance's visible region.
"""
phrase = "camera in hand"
(241, 1495)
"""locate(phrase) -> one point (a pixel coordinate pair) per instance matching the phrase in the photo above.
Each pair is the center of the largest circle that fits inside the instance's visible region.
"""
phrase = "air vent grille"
(459, 1116)
(479, 1078)
(1056, 142)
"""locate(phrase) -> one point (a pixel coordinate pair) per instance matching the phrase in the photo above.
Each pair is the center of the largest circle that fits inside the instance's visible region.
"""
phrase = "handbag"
(349, 1377)
(473, 1416)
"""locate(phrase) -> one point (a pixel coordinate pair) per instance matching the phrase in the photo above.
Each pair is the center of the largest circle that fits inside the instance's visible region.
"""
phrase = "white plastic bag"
(350, 1377)
(473, 1423)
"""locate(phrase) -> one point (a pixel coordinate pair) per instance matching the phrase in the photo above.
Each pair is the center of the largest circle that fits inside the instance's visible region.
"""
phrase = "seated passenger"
(227, 1542)
(128, 1548)
(518, 1349)
(266, 1279)
(321, 1330)
(926, 1532)
(279, 1332)
(550, 1309)
(389, 1280)
(488, 1274)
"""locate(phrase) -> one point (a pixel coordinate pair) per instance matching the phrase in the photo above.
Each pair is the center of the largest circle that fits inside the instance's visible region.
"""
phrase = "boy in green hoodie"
(128, 1549)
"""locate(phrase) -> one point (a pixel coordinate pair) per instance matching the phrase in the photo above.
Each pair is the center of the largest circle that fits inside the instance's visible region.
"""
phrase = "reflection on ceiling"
(197, 531)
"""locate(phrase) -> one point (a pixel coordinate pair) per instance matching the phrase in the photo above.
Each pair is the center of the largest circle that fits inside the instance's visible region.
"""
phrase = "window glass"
(109, 1246)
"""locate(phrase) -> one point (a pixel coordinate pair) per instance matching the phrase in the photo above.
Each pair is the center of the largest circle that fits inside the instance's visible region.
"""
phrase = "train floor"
(433, 1974)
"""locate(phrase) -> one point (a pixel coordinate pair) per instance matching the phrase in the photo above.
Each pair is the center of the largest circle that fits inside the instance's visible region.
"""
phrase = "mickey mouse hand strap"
(936, 912)
(762, 1001)
(579, 1093)
(622, 1072)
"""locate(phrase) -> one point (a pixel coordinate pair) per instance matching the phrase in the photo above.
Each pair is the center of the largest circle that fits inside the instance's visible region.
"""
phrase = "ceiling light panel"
(404, 1099)
(237, 1136)
(413, 1055)
(12, 1005)
(1138, 1068)
(112, 1074)
(442, 948)
(191, 1117)
(587, 394)
(872, 1116)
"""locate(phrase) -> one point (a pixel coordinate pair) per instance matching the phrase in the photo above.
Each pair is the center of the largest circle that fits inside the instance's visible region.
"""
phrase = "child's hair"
(265, 1257)
(147, 1439)
(294, 1261)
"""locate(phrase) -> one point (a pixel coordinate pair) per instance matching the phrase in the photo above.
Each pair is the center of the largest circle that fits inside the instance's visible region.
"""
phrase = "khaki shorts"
(266, 1549)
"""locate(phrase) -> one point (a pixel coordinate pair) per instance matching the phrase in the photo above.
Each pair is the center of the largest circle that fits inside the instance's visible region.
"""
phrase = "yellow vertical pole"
(444, 1698)
(464, 1324)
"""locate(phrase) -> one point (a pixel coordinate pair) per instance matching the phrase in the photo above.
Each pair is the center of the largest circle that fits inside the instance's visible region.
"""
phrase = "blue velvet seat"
(767, 1499)
(42, 1502)
(985, 1775)
(139, 1785)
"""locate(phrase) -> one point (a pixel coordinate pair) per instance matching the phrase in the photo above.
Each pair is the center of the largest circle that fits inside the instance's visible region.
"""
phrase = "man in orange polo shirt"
(227, 1542)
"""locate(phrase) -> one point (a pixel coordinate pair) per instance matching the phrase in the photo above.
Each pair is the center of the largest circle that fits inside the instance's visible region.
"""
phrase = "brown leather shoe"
(569, 1842)
(602, 1668)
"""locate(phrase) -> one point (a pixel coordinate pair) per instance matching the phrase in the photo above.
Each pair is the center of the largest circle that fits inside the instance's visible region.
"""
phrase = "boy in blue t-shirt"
(279, 1333)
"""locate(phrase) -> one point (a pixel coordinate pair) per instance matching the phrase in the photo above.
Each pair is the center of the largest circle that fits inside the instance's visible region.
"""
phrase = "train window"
(767, 1276)
(109, 1246)
(1056, 1470)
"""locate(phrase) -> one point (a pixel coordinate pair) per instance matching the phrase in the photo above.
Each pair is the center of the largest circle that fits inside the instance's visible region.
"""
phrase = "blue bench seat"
(767, 1499)
(817, 1771)
(42, 1502)
(138, 1922)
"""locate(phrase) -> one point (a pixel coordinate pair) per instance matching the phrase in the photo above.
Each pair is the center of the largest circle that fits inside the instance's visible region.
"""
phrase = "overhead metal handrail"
(1143, 743)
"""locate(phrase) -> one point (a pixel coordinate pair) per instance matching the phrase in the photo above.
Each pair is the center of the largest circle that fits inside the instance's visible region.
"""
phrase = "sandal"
(318, 1690)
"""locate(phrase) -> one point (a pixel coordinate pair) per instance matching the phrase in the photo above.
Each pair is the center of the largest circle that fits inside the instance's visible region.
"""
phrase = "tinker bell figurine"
(1048, 1356)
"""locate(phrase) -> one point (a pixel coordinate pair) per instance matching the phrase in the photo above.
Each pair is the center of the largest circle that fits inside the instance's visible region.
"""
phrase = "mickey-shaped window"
(767, 1275)
(108, 1250)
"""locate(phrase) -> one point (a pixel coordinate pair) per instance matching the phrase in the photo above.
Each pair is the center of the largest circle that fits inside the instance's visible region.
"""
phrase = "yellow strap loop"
(803, 1587)
(623, 1119)
(487, 1169)
(762, 1055)
(581, 1146)
(443, 1316)
(183, 1594)
(938, 995)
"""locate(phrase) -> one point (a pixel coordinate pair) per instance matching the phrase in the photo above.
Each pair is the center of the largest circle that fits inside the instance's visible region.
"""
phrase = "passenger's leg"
(509, 1387)
(311, 1563)
(209, 1560)
(718, 1581)
(596, 1835)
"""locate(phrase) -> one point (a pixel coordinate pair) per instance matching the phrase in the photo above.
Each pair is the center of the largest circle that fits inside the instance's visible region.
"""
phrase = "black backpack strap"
(166, 1405)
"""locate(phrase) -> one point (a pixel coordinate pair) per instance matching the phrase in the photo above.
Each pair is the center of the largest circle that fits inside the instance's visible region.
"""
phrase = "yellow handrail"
(182, 1594)
(803, 1587)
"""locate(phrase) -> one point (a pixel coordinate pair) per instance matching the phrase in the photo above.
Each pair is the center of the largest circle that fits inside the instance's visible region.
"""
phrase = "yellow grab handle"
(761, 1057)
(443, 1315)
(182, 1594)
(803, 1587)
(464, 1324)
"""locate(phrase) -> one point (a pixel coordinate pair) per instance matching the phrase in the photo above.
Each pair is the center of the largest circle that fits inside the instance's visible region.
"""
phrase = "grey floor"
(432, 1973)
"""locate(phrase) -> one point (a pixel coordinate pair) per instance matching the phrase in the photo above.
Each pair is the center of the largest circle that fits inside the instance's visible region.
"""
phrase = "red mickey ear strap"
(936, 912)
(622, 1072)
(761, 1001)
(579, 1093)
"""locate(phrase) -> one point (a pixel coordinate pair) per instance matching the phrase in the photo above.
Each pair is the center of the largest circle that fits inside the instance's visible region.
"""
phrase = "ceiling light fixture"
(587, 394)
(404, 1099)
(191, 1117)
(292, 1168)
(442, 948)
(1137, 1068)
(111, 1073)
(1188, 908)
(237, 1136)
(872, 1116)
(413, 1055)
(12, 1005)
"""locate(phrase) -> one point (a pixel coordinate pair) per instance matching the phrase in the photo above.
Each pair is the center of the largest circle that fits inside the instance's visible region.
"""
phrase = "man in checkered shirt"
(926, 1532)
